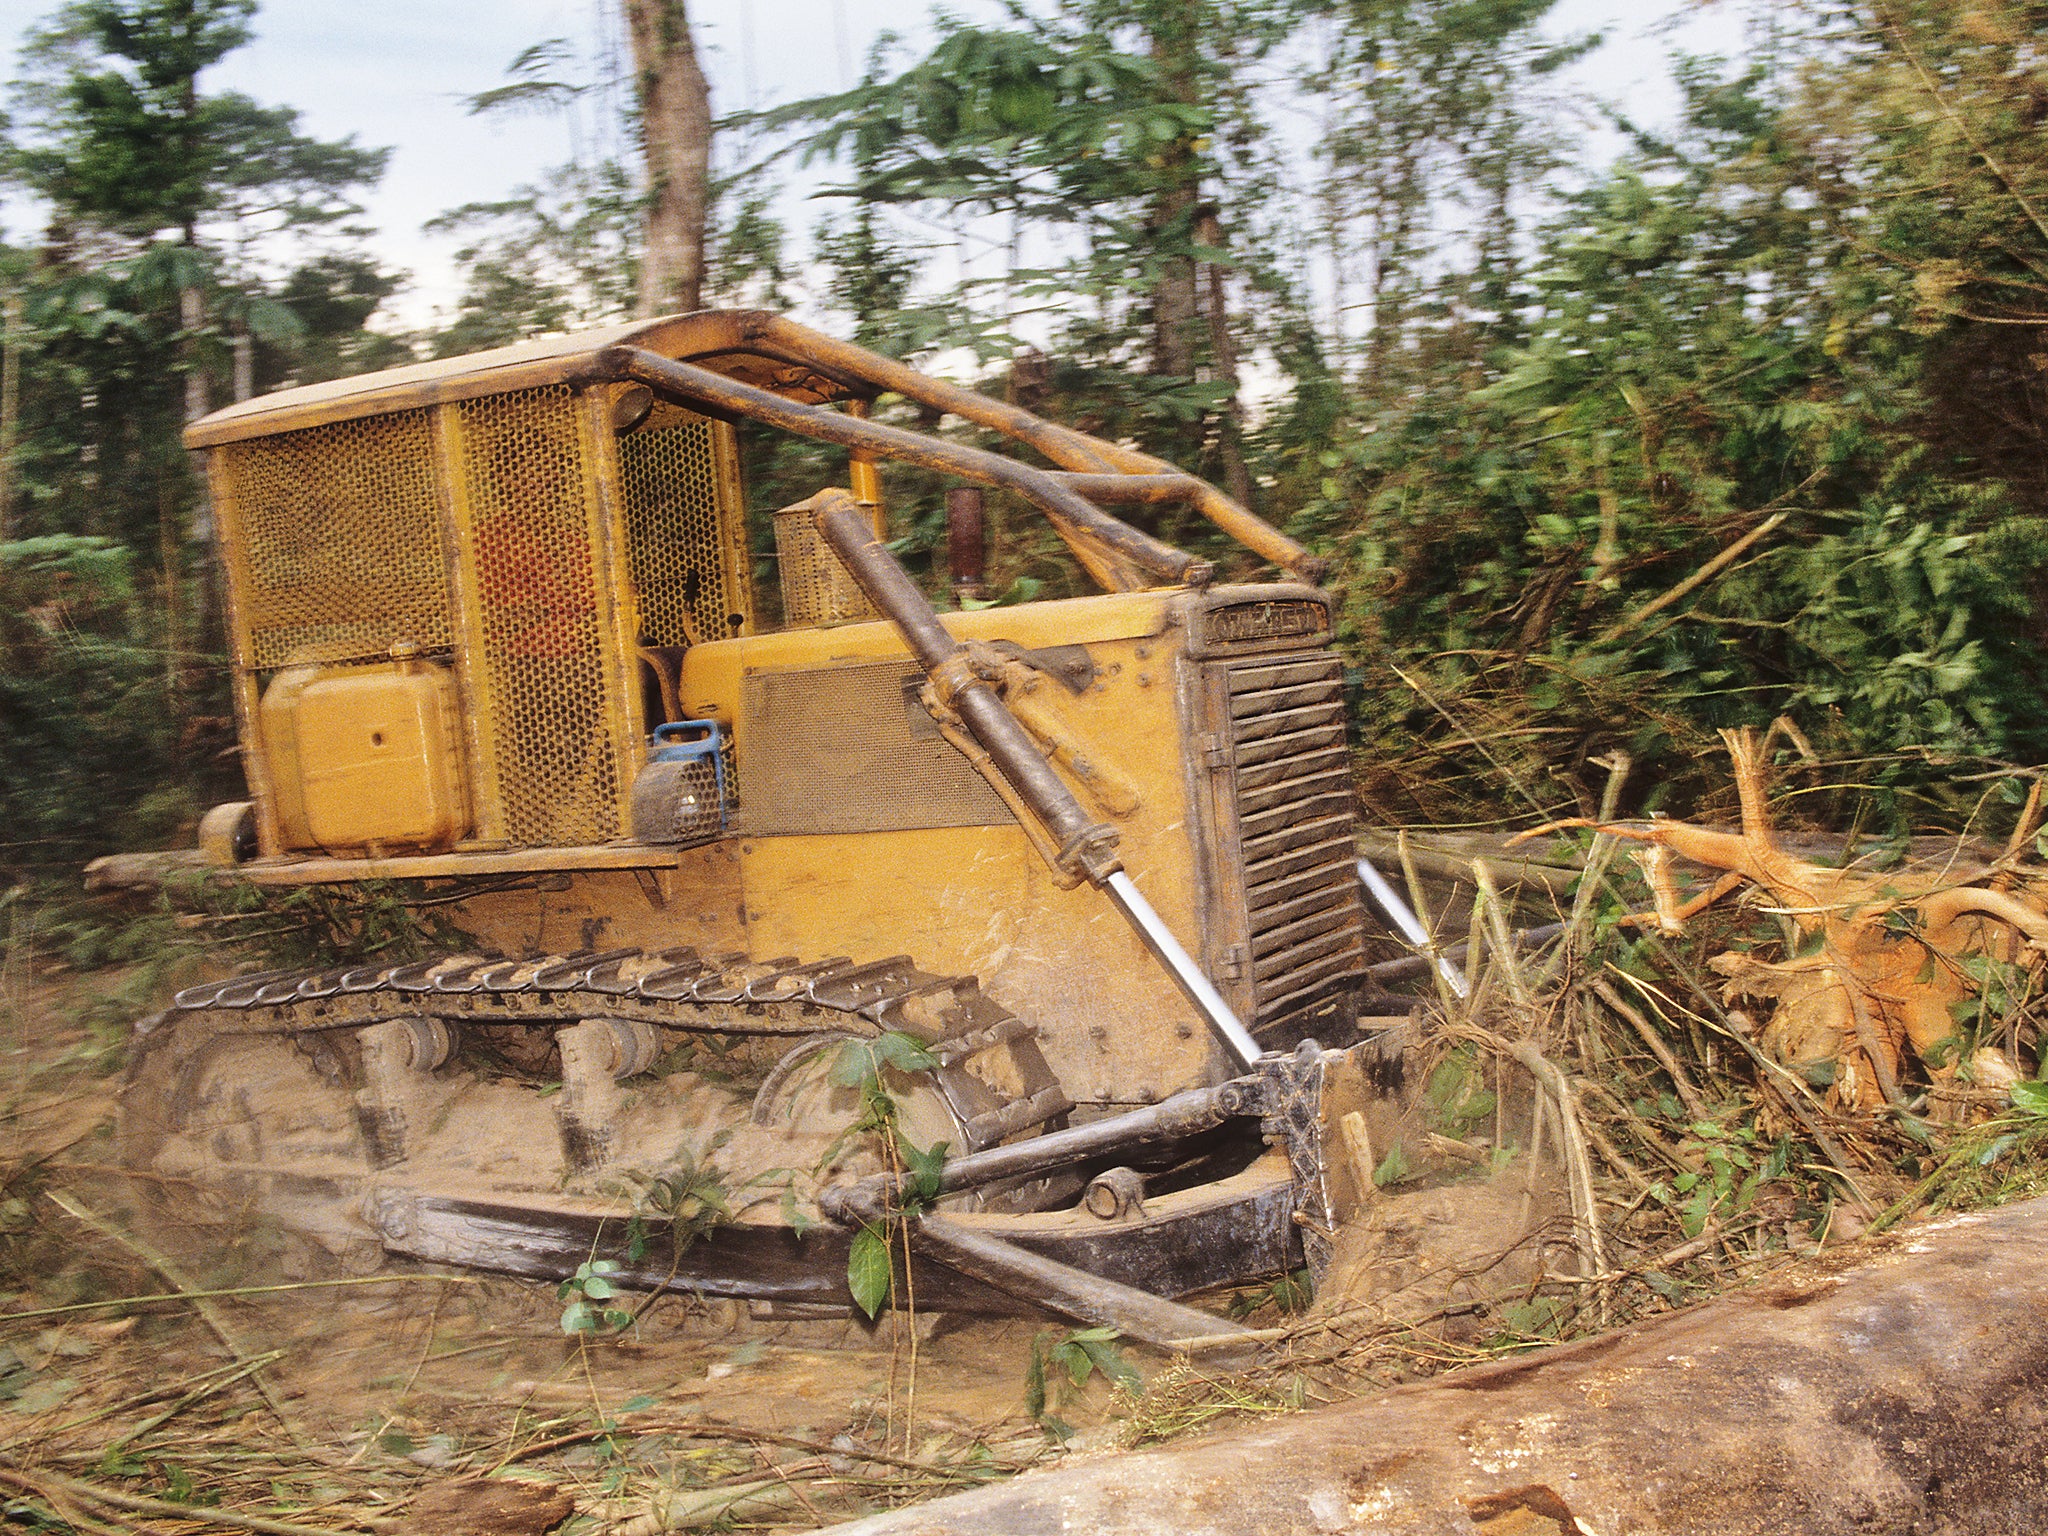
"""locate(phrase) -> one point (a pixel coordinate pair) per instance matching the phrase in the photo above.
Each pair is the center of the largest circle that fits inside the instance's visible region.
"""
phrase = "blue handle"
(687, 733)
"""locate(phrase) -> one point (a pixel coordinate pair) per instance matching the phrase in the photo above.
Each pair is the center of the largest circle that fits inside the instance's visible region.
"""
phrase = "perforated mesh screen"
(340, 540)
(816, 587)
(850, 749)
(690, 585)
(537, 597)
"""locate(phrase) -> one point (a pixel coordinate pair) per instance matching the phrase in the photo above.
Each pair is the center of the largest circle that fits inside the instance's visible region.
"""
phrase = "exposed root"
(1878, 963)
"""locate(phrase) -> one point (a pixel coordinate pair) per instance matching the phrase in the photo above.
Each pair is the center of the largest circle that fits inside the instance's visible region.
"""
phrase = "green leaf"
(856, 1064)
(1075, 1355)
(794, 1216)
(869, 1274)
(905, 1053)
(1995, 1151)
(925, 1168)
(1109, 1360)
(2030, 1097)
(597, 1288)
(1034, 1379)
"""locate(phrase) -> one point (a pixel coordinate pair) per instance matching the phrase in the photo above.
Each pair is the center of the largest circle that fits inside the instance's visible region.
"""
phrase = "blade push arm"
(1084, 846)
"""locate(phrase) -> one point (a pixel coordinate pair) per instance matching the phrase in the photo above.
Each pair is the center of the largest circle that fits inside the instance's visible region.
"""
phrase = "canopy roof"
(722, 340)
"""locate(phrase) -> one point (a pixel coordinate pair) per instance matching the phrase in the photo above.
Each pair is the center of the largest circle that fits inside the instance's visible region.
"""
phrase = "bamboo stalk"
(192, 1514)
(227, 1372)
(148, 1426)
(239, 1290)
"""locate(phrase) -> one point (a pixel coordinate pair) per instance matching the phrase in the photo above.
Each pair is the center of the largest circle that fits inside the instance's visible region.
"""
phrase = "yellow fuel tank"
(376, 755)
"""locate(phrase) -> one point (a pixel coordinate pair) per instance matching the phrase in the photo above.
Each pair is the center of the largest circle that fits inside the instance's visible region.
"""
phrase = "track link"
(671, 989)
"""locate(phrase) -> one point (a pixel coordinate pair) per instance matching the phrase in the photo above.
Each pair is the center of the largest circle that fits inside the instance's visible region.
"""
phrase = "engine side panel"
(977, 898)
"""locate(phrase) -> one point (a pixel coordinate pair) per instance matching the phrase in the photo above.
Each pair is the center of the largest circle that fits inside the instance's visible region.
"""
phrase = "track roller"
(597, 1055)
(397, 1055)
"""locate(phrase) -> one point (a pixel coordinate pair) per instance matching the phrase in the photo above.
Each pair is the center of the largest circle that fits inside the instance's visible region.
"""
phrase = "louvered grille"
(1290, 794)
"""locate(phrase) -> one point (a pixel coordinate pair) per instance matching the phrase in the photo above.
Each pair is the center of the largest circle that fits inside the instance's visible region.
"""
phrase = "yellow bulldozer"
(1069, 888)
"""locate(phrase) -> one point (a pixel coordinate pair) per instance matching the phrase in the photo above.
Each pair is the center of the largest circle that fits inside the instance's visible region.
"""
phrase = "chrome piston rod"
(1404, 918)
(1181, 966)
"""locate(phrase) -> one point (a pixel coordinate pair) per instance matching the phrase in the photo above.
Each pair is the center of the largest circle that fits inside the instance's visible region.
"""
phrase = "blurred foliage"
(1721, 339)
(92, 754)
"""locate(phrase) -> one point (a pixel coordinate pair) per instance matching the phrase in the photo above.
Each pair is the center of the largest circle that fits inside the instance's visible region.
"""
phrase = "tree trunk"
(1901, 1394)
(1176, 299)
(10, 405)
(675, 129)
(198, 401)
(244, 346)
(1393, 250)
(1237, 479)
(191, 316)
(1174, 295)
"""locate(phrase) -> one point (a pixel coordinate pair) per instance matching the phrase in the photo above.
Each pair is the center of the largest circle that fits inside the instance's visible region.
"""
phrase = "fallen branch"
(1697, 579)
(1681, 1080)
(200, 1302)
(192, 1514)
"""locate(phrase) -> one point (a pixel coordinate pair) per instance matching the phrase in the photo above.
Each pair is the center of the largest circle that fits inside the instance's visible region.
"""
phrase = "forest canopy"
(1615, 439)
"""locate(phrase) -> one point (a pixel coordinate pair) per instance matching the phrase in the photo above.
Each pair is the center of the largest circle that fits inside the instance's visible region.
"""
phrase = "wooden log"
(1899, 1387)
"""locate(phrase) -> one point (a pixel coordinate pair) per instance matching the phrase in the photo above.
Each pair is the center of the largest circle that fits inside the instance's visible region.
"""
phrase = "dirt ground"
(378, 1403)
(438, 1403)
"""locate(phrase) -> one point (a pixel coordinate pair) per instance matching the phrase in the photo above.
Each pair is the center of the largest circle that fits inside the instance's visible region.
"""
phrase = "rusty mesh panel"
(544, 677)
(850, 749)
(676, 543)
(341, 542)
(816, 587)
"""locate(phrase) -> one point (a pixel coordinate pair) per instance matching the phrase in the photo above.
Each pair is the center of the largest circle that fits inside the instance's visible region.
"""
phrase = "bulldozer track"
(674, 989)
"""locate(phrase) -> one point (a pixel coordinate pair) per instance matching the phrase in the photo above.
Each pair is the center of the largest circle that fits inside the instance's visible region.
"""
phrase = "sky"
(399, 72)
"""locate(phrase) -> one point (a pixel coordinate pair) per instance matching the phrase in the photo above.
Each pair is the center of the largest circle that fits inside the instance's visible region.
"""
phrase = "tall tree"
(1102, 133)
(172, 210)
(564, 249)
(1435, 138)
(675, 130)
(167, 204)
(121, 138)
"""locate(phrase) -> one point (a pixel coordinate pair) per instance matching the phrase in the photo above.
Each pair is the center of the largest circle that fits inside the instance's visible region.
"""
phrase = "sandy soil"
(379, 1403)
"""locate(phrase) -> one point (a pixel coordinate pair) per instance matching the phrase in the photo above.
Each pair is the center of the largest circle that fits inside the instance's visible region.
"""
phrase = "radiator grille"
(535, 550)
(339, 541)
(1290, 797)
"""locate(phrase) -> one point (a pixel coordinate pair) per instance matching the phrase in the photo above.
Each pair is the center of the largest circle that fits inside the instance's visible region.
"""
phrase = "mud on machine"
(1087, 865)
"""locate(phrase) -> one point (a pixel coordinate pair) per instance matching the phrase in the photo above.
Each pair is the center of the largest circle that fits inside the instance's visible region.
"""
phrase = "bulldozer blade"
(1233, 1231)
